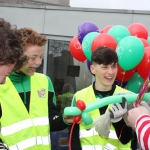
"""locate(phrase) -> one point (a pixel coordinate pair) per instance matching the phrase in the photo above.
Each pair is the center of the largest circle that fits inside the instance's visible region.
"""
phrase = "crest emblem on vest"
(42, 93)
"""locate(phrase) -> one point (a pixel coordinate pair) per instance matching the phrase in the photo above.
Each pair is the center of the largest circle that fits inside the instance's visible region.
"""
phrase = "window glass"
(67, 74)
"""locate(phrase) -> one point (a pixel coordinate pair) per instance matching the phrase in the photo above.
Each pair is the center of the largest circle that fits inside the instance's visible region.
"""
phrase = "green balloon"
(113, 99)
(130, 51)
(86, 118)
(135, 83)
(119, 32)
(87, 44)
(72, 111)
(148, 39)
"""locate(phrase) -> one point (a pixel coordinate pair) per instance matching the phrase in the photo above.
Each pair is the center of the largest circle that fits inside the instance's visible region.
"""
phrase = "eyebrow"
(37, 55)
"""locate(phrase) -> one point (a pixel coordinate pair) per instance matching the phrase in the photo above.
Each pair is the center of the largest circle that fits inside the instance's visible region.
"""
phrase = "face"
(5, 70)
(35, 55)
(105, 74)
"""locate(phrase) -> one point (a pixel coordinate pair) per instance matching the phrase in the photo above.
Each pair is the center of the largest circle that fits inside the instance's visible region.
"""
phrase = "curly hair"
(31, 37)
(11, 49)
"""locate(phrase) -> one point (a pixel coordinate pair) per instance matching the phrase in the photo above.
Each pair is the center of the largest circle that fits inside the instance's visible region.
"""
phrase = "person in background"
(139, 120)
(65, 99)
(31, 112)
(104, 67)
(11, 58)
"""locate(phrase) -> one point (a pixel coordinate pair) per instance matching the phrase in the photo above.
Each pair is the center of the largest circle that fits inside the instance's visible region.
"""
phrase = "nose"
(110, 70)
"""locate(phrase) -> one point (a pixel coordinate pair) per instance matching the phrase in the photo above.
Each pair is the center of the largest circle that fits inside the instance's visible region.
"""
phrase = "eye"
(32, 58)
(42, 56)
(114, 66)
(104, 67)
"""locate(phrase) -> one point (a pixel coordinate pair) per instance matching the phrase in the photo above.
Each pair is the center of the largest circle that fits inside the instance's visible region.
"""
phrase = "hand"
(68, 119)
(144, 104)
(118, 110)
(102, 124)
(134, 113)
(72, 119)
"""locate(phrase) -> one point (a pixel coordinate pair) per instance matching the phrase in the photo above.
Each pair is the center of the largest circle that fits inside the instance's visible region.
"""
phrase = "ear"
(92, 68)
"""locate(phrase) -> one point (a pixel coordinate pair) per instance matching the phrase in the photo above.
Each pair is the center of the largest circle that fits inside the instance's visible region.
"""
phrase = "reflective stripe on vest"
(88, 135)
(31, 142)
(92, 147)
(20, 129)
(8, 130)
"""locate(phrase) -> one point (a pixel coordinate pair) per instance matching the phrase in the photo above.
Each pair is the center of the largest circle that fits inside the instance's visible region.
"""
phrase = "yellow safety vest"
(89, 138)
(20, 129)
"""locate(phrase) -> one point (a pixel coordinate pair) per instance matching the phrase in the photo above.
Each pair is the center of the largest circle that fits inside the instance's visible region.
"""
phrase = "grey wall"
(24, 17)
(64, 21)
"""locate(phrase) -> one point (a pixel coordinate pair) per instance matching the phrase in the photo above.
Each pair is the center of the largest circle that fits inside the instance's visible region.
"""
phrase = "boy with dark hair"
(104, 67)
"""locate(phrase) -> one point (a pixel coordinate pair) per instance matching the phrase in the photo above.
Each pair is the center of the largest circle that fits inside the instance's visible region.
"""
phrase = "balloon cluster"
(131, 43)
(81, 111)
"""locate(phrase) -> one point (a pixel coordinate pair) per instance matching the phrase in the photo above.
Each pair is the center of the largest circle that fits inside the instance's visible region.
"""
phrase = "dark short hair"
(11, 49)
(104, 55)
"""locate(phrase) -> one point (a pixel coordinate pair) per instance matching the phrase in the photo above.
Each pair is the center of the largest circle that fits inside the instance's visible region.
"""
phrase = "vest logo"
(41, 93)
(63, 142)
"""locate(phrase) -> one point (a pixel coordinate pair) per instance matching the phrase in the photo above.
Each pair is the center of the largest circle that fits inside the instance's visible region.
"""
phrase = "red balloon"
(124, 76)
(143, 67)
(104, 39)
(76, 119)
(105, 30)
(145, 42)
(139, 30)
(80, 104)
(76, 50)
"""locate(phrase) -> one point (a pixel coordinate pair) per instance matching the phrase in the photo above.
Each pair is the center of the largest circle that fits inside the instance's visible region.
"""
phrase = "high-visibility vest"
(20, 129)
(89, 138)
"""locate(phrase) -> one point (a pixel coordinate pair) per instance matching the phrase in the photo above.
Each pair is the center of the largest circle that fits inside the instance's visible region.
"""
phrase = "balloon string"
(70, 137)
(123, 77)
(120, 134)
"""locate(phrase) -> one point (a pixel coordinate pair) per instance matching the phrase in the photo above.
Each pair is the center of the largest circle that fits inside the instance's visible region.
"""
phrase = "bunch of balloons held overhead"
(131, 43)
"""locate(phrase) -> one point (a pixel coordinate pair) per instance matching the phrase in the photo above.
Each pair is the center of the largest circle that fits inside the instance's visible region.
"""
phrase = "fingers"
(124, 102)
(111, 114)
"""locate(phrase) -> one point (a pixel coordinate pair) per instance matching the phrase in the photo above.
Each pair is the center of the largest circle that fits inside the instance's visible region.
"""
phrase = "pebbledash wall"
(61, 23)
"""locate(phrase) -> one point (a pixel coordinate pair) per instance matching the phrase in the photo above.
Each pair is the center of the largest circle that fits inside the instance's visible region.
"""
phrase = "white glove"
(118, 110)
(145, 104)
(102, 124)
(130, 106)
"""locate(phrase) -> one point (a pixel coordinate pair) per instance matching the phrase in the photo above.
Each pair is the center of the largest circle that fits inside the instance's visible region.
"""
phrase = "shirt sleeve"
(51, 89)
(124, 133)
(143, 131)
(75, 140)
(55, 118)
